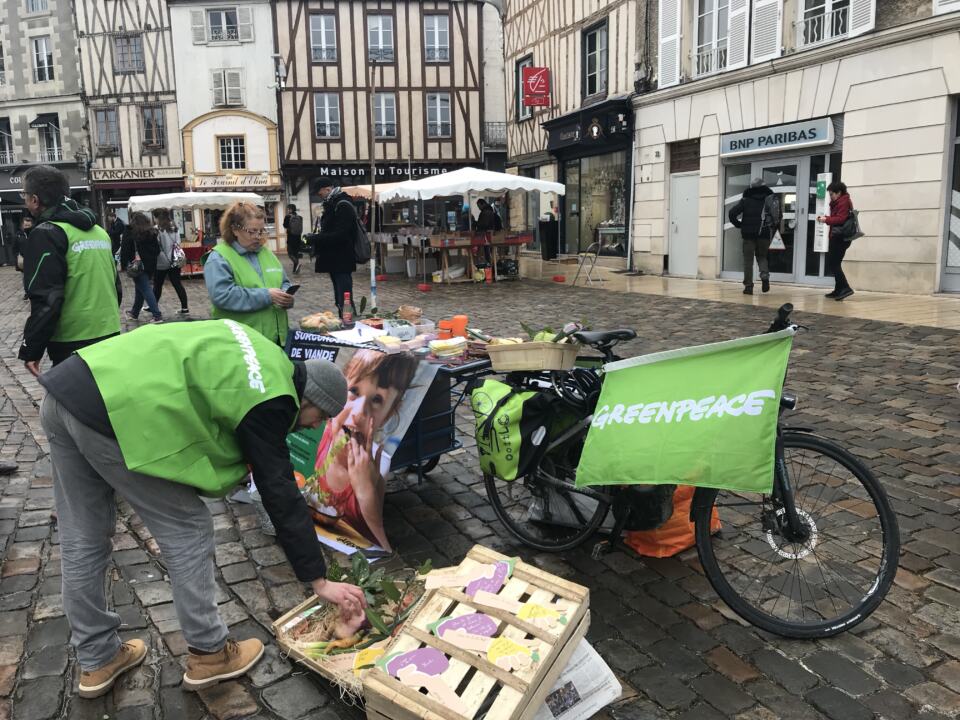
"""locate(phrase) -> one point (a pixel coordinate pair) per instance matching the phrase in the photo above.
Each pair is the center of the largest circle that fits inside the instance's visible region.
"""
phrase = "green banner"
(703, 416)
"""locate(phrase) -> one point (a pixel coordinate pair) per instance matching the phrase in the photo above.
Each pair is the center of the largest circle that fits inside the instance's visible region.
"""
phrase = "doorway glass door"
(784, 179)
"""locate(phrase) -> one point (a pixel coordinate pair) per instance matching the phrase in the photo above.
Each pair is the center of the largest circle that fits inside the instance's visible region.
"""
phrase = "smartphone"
(292, 290)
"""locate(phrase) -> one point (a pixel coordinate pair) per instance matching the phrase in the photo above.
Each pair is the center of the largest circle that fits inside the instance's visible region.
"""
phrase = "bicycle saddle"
(604, 337)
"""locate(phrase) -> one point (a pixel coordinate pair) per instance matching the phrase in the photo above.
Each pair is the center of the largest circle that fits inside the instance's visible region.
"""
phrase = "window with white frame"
(436, 38)
(323, 38)
(42, 59)
(595, 61)
(107, 131)
(127, 54)
(51, 145)
(823, 20)
(154, 128)
(438, 115)
(227, 87)
(6, 142)
(37, 6)
(380, 38)
(523, 112)
(233, 152)
(326, 115)
(222, 24)
(385, 115)
(712, 30)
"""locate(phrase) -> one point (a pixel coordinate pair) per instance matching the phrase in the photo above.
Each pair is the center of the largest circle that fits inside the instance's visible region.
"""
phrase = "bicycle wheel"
(549, 516)
(823, 585)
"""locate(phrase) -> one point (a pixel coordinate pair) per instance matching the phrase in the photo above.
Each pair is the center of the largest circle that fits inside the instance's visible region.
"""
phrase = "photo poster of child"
(342, 467)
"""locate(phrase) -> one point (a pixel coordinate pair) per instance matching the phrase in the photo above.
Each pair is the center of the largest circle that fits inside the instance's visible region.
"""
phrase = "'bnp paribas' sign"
(794, 136)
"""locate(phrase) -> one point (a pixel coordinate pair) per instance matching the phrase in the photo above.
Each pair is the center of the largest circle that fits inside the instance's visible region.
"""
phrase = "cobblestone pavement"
(887, 391)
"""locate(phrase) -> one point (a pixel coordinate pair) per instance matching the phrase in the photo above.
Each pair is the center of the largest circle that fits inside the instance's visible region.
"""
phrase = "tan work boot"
(94, 683)
(234, 660)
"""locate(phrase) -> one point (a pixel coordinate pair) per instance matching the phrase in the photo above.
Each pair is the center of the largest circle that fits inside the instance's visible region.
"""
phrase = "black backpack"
(361, 240)
(295, 225)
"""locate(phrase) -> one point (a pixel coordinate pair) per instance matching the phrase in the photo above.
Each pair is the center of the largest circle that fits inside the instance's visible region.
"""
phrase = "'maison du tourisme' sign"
(792, 136)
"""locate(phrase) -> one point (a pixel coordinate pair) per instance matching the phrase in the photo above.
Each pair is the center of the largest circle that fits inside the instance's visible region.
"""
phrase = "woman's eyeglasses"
(258, 232)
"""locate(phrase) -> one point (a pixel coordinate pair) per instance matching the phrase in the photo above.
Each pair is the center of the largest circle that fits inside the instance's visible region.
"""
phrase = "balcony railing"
(495, 134)
(709, 60)
(381, 54)
(224, 34)
(824, 28)
(323, 54)
(3, 78)
(327, 130)
(7, 157)
(438, 54)
(50, 155)
(385, 130)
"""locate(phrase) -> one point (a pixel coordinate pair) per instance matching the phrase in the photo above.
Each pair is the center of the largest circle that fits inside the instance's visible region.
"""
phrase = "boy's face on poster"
(367, 401)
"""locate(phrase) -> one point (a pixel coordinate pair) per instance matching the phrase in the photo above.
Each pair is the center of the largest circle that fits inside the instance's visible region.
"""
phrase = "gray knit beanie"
(326, 387)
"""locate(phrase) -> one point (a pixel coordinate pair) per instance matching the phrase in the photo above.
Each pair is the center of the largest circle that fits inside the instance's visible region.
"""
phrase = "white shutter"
(737, 30)
(668, 63)
(234, 86)
(198, 26)
(245, 24)
(945, 6)
(767, 30)
(862, 14)
(219, 93)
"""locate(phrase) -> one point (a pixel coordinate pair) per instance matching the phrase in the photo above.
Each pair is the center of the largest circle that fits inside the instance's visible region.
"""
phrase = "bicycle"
(829, 560)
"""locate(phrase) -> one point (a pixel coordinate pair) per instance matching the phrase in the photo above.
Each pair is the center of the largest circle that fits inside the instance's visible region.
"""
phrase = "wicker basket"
(533, 356)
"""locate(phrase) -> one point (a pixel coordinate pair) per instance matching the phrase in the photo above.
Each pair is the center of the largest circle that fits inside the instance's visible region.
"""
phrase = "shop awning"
(363, 191)
(188, 200)
(466, 180)
(44, 119)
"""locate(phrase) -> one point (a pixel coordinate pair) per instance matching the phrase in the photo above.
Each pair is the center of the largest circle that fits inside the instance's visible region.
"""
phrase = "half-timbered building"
(227, 104)
(408, 79)
(127, 64)
(570, 122)
(41, 111)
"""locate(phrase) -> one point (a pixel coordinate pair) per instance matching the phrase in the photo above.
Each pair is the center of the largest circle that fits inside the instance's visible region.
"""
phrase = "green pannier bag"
(513, 427)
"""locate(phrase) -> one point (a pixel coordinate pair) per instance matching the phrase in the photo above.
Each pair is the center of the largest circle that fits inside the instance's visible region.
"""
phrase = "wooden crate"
(481, 687)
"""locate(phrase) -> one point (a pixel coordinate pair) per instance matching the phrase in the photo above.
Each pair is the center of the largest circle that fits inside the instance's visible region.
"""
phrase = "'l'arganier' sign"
(793, 136)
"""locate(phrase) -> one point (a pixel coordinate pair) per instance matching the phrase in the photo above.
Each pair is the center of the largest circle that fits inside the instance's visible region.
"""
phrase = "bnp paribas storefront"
(789, 158)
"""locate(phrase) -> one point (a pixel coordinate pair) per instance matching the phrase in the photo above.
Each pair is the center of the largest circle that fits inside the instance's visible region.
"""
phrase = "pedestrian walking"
(757, 215)
(116, 226)
(293, 224)
(20, 241)
(69, 273)
(245, 280)
(169, 238)
(244, 396)
(8, 238)
(842, 228)
(139, 251)
(335, 244)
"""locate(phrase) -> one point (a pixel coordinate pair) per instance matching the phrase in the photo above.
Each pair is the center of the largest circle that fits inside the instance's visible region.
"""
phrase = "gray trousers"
(755, 248)
(88, 470)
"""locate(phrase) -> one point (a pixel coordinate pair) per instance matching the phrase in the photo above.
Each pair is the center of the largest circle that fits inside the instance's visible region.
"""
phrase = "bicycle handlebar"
(782, 321)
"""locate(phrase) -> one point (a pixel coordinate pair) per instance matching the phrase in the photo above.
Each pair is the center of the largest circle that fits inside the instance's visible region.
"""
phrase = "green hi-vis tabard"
(176, 393)
(512, 428)
(271, 321)
(703, 416)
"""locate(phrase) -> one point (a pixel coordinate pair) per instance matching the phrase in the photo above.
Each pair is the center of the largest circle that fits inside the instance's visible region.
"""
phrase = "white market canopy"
(363, 191)
(463, 181)
(190, 200)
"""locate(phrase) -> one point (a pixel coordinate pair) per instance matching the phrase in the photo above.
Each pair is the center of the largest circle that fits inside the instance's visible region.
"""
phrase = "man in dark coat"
(115, 229)
(334, 244)
(757, 214)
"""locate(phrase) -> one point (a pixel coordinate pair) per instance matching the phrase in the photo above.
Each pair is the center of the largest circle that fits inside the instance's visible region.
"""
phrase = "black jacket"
(486, 221)
(262, 436)
(45, 278)
(116, 233)
(146, 245)
(748, 211)
(338, 232)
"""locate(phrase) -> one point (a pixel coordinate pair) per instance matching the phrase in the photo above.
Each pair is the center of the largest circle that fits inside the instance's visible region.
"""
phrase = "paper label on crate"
(472, 624)
(428, 661)
(533, 611)
(300, 618)
(366, 658)
(509, 654)
(493, 579)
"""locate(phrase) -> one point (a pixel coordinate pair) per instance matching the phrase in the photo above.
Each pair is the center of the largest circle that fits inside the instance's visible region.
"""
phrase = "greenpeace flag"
(703, 416)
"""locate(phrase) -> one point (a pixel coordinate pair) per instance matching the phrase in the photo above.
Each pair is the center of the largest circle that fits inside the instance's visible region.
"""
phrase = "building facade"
(861, 91)
(227, 104)
(127, 63)
(585, 57)
(41, 113)
(419, 68)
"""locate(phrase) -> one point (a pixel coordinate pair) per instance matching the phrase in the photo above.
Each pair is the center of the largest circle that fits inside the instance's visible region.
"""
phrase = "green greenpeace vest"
(176, 393)
(271, 322)
(90, 295)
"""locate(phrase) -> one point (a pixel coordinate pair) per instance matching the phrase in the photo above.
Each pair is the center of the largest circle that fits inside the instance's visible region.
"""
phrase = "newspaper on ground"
(585, 687)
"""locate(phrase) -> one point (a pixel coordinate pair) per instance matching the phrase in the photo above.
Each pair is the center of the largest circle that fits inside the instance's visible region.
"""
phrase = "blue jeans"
(144, 291)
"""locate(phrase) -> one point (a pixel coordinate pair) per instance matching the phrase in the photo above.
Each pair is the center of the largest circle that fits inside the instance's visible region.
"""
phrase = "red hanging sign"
(536, 86)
